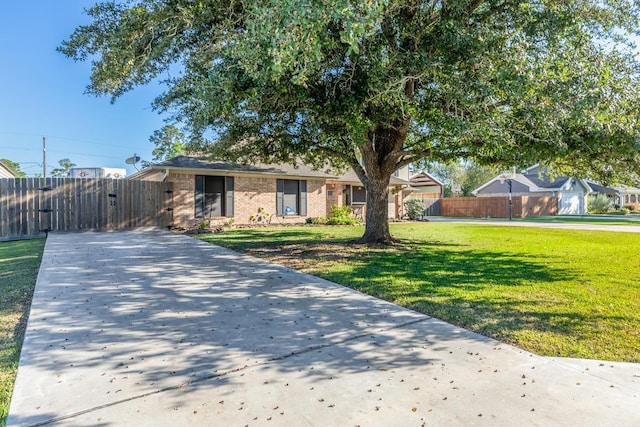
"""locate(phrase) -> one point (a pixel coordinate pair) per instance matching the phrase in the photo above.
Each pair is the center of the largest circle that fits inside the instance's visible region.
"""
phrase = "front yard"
(565, 293)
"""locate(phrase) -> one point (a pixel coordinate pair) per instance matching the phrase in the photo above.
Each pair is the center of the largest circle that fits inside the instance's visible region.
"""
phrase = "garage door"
(571, 204)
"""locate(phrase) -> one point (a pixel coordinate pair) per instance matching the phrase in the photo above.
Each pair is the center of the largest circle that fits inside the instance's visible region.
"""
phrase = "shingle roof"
(597, 188)
(544, 181)
(350, 177)
(196, 163)
(300, 169)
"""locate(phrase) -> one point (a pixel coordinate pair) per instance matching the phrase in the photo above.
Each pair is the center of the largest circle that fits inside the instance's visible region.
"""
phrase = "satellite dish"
(132, 160)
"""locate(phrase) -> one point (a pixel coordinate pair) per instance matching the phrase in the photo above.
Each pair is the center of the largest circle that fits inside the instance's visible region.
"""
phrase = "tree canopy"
(64, 166)
(460, 178)
(379, 84)
(169, 142)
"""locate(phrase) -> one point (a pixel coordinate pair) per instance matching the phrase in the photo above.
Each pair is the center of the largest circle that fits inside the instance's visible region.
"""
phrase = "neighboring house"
(215, 191)
(570, 192)
(98, 172)
(426, 186)
(5, 172)
(622, 195)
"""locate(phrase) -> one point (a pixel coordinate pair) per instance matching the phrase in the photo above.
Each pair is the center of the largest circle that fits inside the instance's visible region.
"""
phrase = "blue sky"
(42, 94)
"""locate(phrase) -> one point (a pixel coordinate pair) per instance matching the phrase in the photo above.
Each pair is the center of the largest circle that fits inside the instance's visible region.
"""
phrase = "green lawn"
(587, 219)
(568, 293)
(19, 262)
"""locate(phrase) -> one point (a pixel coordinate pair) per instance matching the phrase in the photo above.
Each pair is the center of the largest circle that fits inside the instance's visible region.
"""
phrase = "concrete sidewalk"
(160, 329)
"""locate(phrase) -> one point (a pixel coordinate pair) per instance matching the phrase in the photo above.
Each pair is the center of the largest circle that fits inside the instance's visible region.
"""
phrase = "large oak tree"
(378, 84)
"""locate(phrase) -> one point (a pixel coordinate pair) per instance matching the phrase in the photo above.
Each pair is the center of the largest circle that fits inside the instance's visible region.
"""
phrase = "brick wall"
(395, 208)
(251, 194)
(336, 198)
(183, 198)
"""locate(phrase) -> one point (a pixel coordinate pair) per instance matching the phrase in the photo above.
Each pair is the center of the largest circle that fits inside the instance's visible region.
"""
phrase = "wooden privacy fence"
(498, 207)
(30, 207)
(431, 205)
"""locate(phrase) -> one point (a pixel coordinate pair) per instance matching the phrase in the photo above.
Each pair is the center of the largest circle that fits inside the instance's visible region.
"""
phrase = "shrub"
(599, 203)
(415, 208)
(632, 207)
(341, 215)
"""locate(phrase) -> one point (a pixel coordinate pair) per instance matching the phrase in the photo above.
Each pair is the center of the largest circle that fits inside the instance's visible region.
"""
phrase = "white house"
(5, 172)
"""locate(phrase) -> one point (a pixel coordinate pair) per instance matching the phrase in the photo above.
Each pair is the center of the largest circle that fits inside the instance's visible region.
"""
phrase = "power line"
(129, 150)
(54, 137)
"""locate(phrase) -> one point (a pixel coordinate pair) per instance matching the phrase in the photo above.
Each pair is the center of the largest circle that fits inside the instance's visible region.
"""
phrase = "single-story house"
(570, 192)
(217, 192)
(426, 186)
(5, 172)
(621, 195)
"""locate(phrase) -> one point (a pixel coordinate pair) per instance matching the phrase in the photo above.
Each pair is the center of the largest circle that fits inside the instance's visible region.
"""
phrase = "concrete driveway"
(160, 329)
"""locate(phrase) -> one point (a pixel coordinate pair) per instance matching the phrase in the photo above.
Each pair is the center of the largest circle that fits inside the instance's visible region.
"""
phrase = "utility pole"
(44, 157)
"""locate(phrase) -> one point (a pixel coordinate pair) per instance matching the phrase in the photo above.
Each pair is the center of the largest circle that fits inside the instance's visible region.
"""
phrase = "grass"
(587, 219)
(19, 263)
(566, 293)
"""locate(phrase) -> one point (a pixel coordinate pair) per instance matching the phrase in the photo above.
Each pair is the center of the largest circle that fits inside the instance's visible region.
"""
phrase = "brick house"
(217, 192)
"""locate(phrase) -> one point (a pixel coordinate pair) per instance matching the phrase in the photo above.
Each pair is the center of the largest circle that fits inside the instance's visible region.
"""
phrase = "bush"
(341, 215)
(599, 203)
(632, 207)
(415, 208)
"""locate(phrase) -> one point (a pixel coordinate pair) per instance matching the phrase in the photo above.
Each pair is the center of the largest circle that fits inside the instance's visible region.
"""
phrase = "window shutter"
(303, 198)
(199, 197)
(279, 197)
(229, 194)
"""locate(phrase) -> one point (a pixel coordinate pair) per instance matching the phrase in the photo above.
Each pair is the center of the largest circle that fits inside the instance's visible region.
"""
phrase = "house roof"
(597, 188)
(190, 163)
(350, 177)
(536, 182)
(5, 172)
(300, 169)
(424, 179)
(545, 181)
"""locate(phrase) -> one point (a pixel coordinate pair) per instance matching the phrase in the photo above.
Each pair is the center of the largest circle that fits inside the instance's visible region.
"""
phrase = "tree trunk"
(377, 217)
(381, 156)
